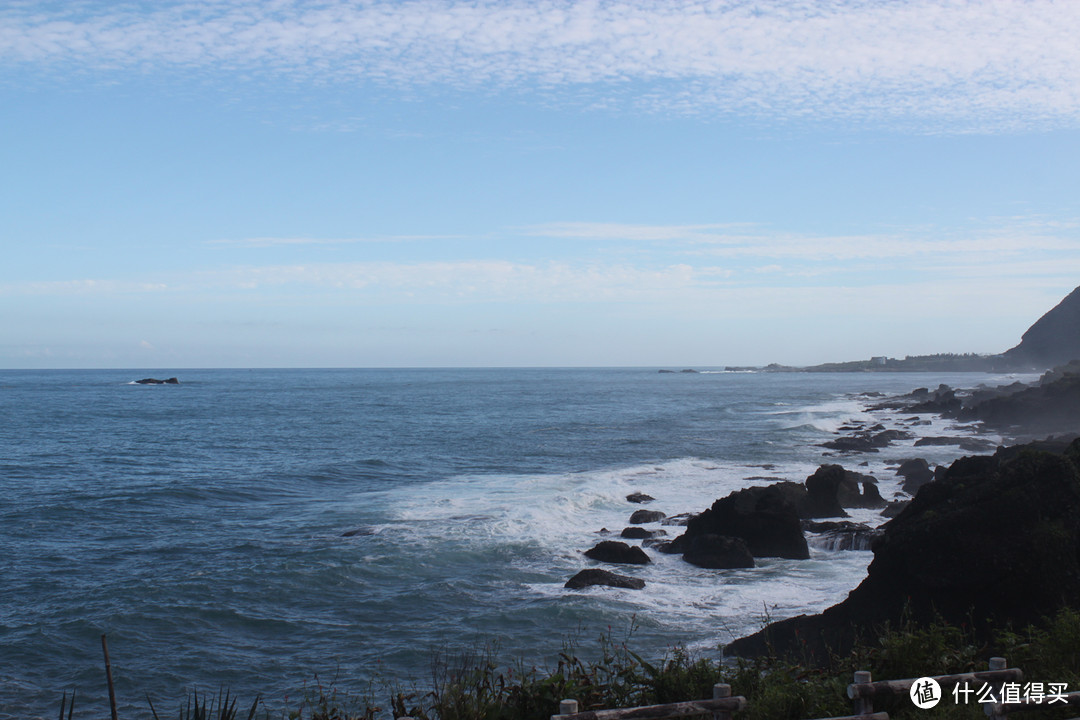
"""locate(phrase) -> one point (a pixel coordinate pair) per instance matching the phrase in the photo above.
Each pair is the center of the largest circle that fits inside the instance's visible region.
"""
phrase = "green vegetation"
(475, 686)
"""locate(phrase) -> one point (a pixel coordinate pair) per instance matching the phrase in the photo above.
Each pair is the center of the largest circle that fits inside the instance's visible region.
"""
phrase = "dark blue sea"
(202, 525)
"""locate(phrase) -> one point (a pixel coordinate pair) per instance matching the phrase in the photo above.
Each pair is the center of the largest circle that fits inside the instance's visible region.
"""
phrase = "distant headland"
(1053, 340)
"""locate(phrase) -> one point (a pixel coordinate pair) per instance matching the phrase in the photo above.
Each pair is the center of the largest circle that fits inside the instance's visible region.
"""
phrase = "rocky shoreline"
(988, 539)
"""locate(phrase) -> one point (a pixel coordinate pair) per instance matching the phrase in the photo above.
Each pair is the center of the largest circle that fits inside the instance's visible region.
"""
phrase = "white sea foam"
(537, 526)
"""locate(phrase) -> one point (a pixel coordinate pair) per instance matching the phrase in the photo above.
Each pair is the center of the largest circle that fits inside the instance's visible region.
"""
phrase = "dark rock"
(763, 517)
(894, 508)
(664, 546)
(944, 401)
(822, 493)
(688, 370)
(916, 473)
(640, 497)
(866, 442)
(613, 551)
(596, 576)
(871, 497)
(994, 543)
(718, 552)
(964, 443)
(832, 488)
(1052, 406)
(679, 520)
(640, 533)
(640, 517)
(155, 381)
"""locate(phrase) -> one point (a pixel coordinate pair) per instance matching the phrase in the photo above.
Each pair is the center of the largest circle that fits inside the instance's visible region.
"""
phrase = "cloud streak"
(985, 63)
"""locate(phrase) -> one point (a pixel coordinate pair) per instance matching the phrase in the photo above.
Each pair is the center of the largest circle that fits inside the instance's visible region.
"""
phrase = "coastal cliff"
(993, 542)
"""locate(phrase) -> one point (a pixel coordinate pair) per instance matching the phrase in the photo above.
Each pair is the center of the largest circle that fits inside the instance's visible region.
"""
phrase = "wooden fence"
(987, 686)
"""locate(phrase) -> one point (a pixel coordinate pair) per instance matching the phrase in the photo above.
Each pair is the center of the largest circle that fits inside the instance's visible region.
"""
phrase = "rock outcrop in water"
(596, 576)
(994, 541)
(916, 473)
(613, 551)
(762, 517)
(833, 488)
(640, 517)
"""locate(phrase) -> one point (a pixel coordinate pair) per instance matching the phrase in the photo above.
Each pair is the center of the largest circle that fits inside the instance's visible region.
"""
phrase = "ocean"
(254, 529)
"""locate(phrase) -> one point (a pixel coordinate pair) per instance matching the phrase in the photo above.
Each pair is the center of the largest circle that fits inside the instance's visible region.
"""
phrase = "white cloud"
(257, 242)
(1001, 240)
(480, 281)
(984, 62)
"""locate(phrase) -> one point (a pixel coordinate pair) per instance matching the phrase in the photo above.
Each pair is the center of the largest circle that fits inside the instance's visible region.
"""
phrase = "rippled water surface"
(201, 525)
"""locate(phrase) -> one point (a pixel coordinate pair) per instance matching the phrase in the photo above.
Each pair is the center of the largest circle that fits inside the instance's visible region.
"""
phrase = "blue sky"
(440, 183)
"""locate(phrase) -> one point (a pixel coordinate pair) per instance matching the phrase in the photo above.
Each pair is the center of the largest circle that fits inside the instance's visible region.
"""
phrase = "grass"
(475, 685)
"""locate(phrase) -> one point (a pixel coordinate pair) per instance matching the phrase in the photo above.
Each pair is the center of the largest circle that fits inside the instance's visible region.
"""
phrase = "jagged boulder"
(916, 473)
(832, 488)
(762, 517)
(639, 497)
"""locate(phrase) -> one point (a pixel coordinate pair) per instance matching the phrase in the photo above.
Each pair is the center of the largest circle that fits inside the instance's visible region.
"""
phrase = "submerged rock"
(639, 497)
(866, 441)
(969, 444)
(597, 576)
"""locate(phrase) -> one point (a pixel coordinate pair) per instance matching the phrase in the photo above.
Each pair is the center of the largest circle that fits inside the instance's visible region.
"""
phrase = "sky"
(532, 182)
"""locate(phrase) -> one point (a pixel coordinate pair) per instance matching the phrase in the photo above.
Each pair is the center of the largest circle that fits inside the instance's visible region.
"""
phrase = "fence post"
(719, 692)
(863, 706)
(996, 709)
(568, 707)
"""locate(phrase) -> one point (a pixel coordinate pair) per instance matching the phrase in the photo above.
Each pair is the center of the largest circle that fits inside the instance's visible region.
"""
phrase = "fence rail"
(863, 692)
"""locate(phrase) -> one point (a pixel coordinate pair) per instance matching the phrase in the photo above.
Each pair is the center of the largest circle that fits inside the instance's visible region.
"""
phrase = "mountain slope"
(1053, 340)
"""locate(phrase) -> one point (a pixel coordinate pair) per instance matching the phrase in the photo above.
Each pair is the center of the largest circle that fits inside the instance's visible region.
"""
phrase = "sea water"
(253, 529)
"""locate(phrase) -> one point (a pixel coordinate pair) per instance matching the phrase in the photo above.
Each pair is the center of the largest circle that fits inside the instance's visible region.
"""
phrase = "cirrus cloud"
(984, 64)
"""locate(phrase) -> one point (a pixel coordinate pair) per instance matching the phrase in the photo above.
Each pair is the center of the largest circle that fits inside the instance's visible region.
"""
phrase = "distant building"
(879, 360)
